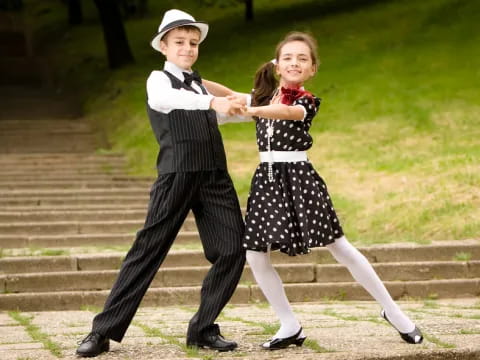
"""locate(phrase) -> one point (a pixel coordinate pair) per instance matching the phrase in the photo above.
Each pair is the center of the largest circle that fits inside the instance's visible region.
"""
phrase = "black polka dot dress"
(294, 212)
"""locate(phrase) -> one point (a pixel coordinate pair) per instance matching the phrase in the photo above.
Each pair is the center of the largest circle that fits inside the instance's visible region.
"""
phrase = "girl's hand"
(249, 111)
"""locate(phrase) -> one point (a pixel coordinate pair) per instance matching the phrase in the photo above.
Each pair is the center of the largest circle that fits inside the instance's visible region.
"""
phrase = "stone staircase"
(70, 282)
(73, 202)
(58, 195)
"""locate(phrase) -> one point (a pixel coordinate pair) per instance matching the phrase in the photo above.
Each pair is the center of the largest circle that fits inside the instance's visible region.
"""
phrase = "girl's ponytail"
(264, 85)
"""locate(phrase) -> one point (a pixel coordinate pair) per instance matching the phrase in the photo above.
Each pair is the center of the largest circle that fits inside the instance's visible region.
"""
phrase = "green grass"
(463, 256)
(34, 251)
(315, 346)
(36, 334)
(91, 308)
(438, 342)
(396, 138)
(430, 304)
(271, 329)
(155, 332)
(267, 328)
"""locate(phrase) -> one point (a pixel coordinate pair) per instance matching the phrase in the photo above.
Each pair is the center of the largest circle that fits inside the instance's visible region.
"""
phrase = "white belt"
(283, 156)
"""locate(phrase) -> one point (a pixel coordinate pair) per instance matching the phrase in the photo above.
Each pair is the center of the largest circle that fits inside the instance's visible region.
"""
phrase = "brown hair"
(187, 28)
(265, 81)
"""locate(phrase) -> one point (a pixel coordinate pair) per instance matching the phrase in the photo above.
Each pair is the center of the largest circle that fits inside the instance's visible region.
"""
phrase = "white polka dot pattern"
(293, 212)
(289, 135)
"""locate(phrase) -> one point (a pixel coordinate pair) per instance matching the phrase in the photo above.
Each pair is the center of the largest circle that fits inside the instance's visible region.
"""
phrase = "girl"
(289, 208)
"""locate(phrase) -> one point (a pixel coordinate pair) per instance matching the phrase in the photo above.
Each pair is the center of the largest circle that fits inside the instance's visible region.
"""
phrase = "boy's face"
(180, 47)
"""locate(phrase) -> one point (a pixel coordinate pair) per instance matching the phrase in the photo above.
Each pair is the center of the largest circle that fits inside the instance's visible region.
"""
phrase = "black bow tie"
(195, 76)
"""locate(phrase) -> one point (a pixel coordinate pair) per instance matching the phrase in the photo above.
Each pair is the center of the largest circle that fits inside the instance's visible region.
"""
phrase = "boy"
(192, 176)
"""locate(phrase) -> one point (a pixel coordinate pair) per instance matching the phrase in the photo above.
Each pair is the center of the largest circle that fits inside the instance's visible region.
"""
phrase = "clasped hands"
(235, 104)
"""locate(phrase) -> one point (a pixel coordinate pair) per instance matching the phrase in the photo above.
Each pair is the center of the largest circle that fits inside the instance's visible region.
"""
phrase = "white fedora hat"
(173, 19)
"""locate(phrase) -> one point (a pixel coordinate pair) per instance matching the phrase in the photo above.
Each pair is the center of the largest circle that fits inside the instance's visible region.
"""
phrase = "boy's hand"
(225, 106)
(238, 98)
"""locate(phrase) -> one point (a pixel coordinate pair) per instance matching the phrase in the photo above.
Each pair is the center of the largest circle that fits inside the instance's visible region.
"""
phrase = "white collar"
(175, 70)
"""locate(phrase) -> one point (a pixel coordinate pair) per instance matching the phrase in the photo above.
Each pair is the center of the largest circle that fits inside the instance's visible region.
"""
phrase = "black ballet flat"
(414, 337)
(282, 343)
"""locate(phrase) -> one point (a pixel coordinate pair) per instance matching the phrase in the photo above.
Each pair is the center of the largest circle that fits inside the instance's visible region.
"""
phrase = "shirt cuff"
(249, 99)
(204, 102)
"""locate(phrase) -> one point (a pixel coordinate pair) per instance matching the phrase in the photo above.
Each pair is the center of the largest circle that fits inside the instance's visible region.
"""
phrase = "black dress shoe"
(282, 343)
(211, 339)
(94, 344)
(413, 337)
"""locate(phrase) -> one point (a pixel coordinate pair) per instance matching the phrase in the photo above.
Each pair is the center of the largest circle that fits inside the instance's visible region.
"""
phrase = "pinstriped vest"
(189, 139)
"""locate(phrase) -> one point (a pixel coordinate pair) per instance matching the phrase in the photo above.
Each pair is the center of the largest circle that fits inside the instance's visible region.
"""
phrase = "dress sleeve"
(310, 105)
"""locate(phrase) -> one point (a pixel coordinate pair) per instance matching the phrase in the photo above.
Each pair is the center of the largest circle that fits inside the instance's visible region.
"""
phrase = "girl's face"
(294, 65)
(181, 47)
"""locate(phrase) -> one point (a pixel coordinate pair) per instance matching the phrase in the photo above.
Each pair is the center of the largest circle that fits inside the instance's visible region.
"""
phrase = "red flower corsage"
(290, 94)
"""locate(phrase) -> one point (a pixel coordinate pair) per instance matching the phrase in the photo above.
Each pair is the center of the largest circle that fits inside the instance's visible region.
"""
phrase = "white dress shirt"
(163, 98)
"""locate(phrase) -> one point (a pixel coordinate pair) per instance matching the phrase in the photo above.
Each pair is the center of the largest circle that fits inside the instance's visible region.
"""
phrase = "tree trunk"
(118, 49)
(75, 14)
(249, 10)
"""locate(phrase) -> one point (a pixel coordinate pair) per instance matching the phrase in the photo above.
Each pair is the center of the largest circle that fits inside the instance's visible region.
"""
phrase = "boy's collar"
(175, 70)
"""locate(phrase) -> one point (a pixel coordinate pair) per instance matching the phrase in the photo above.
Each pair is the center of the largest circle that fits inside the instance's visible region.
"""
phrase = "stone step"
(67, 177)
(194, 275)
(48, 159)
(42, 125)
(124, 201)
(73, 174)
(62, 158)
(71, 215)
(445, 252)
(45, 165)
(62, 133)
(75, 196)
(40, 169)
(95, 262)
(72, 207)
(83, 144)
(70, 227)
(165, 277)
(75, 227)
(22, 109)
(189, 295)
(104, 238)
(39, 193)
(16, 70)
(12, 42)
(61, 163)
(86, 184)
(29, 136)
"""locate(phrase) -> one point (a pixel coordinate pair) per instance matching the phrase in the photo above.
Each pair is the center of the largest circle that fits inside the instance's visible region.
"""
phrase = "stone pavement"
(335, 329)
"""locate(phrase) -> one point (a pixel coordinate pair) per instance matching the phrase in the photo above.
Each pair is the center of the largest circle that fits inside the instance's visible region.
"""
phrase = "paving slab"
(13, 335)
(336, 330)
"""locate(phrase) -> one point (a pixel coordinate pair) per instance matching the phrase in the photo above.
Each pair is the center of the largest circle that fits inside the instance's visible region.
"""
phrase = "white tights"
(361, 270)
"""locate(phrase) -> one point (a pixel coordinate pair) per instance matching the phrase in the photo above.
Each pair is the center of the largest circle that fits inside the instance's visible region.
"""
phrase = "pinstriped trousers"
(212, 198)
